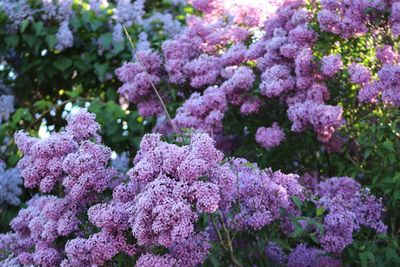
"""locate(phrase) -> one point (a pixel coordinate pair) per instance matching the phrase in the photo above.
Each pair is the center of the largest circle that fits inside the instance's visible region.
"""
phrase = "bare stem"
(229, 241)
(218, 234)
(151, 82)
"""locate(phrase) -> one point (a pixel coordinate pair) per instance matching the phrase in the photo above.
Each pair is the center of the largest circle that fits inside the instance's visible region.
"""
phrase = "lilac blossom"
(10, 185)
(270, 137)
(6, 107)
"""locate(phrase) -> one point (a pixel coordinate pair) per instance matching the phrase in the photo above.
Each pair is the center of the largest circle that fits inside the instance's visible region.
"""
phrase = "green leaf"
(320, 211)
(389, 145)
(51, 40)
(39, 26)
(42, 104)
(24, 25)
(30, 40)
(366, 257)
(62, 63)
(95, 25)
(101, 69)
(297, 201)
(12, 40)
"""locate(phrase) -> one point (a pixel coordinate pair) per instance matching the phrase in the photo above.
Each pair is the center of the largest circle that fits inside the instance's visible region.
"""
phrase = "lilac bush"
(169, 189)
(269, 121)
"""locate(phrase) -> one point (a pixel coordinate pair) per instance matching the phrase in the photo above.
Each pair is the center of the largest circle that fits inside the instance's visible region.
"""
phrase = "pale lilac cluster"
(386, 55)
(395, 18)
(61, 11)
(36, 229)
(290, 71)
(95, 250)
(16, 11)
(49, 10)
(203, 111)
(249, 13)
(138, 79)
(387, 86)
(261, 194)
(97, 5)
(6, 107)
(150, 260)
(192, 56)
(65, 38)
(270, 137)
(68, 157)
(190, 253)
(10, 185)
(86, 171)
(239, 81)
(348, 208)
(325, 119)
(160, 205)
(304, 256)
(112, 219)
(359, 74)
(171, 26)
(172, 194)
(331, 65)
(349, 18)
(127, 13)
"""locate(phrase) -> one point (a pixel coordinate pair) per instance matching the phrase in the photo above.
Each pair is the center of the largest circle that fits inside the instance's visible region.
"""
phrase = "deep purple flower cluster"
(303, 256)
(348, 208)
(261, 194)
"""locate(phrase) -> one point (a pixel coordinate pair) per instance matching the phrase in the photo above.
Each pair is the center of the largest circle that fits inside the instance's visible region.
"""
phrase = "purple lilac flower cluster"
(349, 18)
(6, 107)
(138, 79)
(261, 195)
(159, 205)
(210, 53)
(49, 10)
(169, 189)
(270, 137)
(349, 207)
(10, 185)
(385, 87)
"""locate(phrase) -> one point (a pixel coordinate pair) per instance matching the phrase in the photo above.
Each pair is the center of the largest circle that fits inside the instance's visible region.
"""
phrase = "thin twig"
(229, 241)
(218, 234)
(151, 82)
